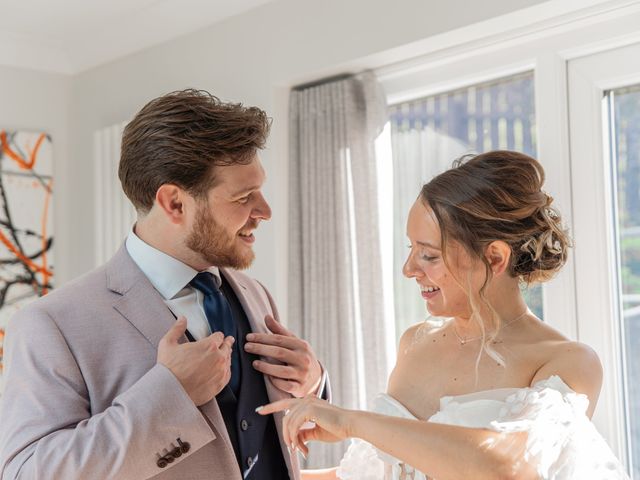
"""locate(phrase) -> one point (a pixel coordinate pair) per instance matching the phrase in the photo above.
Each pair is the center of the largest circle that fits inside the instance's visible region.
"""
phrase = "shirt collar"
(168, 275)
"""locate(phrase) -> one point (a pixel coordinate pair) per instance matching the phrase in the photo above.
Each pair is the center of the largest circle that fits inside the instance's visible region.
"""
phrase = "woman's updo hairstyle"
(498, 196)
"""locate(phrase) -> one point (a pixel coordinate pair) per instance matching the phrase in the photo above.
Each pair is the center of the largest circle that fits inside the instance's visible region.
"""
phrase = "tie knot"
(204, 282)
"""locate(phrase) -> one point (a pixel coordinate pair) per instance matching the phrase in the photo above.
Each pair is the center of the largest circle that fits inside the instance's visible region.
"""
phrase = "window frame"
(589, 78)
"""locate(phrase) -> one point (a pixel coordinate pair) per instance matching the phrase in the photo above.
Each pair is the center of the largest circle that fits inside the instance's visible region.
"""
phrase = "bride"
(491, 392)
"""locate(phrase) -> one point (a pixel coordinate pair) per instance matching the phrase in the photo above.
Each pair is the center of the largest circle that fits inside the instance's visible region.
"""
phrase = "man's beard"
(209, 239)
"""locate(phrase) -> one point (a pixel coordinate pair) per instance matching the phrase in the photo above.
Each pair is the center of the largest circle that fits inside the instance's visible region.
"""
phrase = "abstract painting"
(26, 223)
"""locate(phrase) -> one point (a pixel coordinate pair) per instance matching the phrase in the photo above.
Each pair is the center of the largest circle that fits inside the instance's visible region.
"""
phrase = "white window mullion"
(553, 151)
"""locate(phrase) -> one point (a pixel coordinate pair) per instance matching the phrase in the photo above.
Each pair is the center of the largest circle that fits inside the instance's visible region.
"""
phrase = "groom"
(118, 374)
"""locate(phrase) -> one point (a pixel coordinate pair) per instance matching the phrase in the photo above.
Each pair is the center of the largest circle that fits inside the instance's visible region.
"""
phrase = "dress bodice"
(562, 441)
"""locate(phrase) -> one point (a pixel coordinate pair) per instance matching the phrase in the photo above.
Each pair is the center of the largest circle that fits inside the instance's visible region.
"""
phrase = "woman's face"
(445, 296)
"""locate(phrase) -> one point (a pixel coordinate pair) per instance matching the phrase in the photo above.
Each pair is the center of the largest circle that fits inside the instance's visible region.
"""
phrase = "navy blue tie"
(220, 318)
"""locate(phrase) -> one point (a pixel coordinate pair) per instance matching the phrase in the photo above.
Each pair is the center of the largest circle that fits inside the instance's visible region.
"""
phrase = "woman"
(505, 395)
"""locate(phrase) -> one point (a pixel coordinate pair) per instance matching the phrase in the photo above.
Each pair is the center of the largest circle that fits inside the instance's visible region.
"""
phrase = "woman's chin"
(433, 310)
(437, 311)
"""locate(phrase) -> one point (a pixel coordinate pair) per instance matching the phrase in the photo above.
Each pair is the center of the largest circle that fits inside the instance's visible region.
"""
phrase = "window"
(429, 133)
(624, 119)
(604, 103)
(579, 72)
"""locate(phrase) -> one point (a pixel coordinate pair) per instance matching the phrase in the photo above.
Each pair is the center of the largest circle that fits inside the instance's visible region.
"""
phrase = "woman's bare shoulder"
(569, 360)
(420, 331)
(577, 364)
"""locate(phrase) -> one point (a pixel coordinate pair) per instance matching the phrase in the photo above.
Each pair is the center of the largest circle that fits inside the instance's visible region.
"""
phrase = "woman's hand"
(329, 423)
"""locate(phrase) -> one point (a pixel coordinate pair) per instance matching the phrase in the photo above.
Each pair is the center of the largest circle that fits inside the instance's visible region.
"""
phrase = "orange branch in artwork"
(22, 163)
(45, 272)
(33, 154)
(22, 257)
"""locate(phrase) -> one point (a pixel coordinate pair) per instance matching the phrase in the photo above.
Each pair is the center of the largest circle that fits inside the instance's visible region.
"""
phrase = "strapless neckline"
(493, 394)
(561, 439)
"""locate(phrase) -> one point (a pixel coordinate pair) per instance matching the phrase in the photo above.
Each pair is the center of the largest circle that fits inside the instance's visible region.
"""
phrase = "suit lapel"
(141, 304)
(255, 315)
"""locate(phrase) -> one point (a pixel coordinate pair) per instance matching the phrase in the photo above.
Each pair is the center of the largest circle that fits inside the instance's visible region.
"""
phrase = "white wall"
(37, 101)
(254, 58)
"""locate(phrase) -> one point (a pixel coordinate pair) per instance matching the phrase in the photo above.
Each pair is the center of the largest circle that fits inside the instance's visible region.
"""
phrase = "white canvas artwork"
(26, 222)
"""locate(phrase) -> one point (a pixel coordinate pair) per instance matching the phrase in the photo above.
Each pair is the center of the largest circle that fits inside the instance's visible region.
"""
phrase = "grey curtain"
(335, 293)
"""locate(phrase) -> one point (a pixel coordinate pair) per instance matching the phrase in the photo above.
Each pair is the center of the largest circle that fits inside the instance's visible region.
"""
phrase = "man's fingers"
(280, 354)
(278, 371)
(227, 345)
(289, 386)
(276, 327)
(176, 331)
(291, 343)
(215, 339)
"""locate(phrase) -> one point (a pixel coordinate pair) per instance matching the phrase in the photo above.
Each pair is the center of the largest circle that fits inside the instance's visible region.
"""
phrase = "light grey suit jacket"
(85, 399)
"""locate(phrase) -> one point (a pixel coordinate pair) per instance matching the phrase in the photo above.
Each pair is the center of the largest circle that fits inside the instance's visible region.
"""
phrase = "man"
(152, 365)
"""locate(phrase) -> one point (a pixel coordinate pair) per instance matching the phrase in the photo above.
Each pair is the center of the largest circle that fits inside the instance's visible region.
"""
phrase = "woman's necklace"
(465, 340)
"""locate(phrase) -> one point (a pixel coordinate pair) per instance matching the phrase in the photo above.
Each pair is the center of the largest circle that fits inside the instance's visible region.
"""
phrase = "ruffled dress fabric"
(562, 442)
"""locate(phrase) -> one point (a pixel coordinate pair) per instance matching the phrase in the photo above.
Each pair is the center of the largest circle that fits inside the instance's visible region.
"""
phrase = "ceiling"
(69, 36)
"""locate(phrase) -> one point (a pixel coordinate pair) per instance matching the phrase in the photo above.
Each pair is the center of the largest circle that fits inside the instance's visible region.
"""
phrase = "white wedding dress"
(562, 441)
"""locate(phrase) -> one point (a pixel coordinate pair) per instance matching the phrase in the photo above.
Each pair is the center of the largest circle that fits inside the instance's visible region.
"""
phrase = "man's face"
(223, 224)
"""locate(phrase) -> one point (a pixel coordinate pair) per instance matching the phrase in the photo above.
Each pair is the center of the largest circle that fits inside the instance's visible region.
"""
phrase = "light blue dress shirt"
(171, 278)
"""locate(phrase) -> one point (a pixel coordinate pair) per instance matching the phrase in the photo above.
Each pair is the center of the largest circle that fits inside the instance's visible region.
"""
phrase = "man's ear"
(171, 201)
(498, 253)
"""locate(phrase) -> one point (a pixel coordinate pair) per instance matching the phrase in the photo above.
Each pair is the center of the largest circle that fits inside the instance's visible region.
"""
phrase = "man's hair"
(179, 138)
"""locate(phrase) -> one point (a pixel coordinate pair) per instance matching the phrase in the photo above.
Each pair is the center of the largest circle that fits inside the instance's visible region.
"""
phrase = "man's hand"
(203, 367)
(296, 369)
